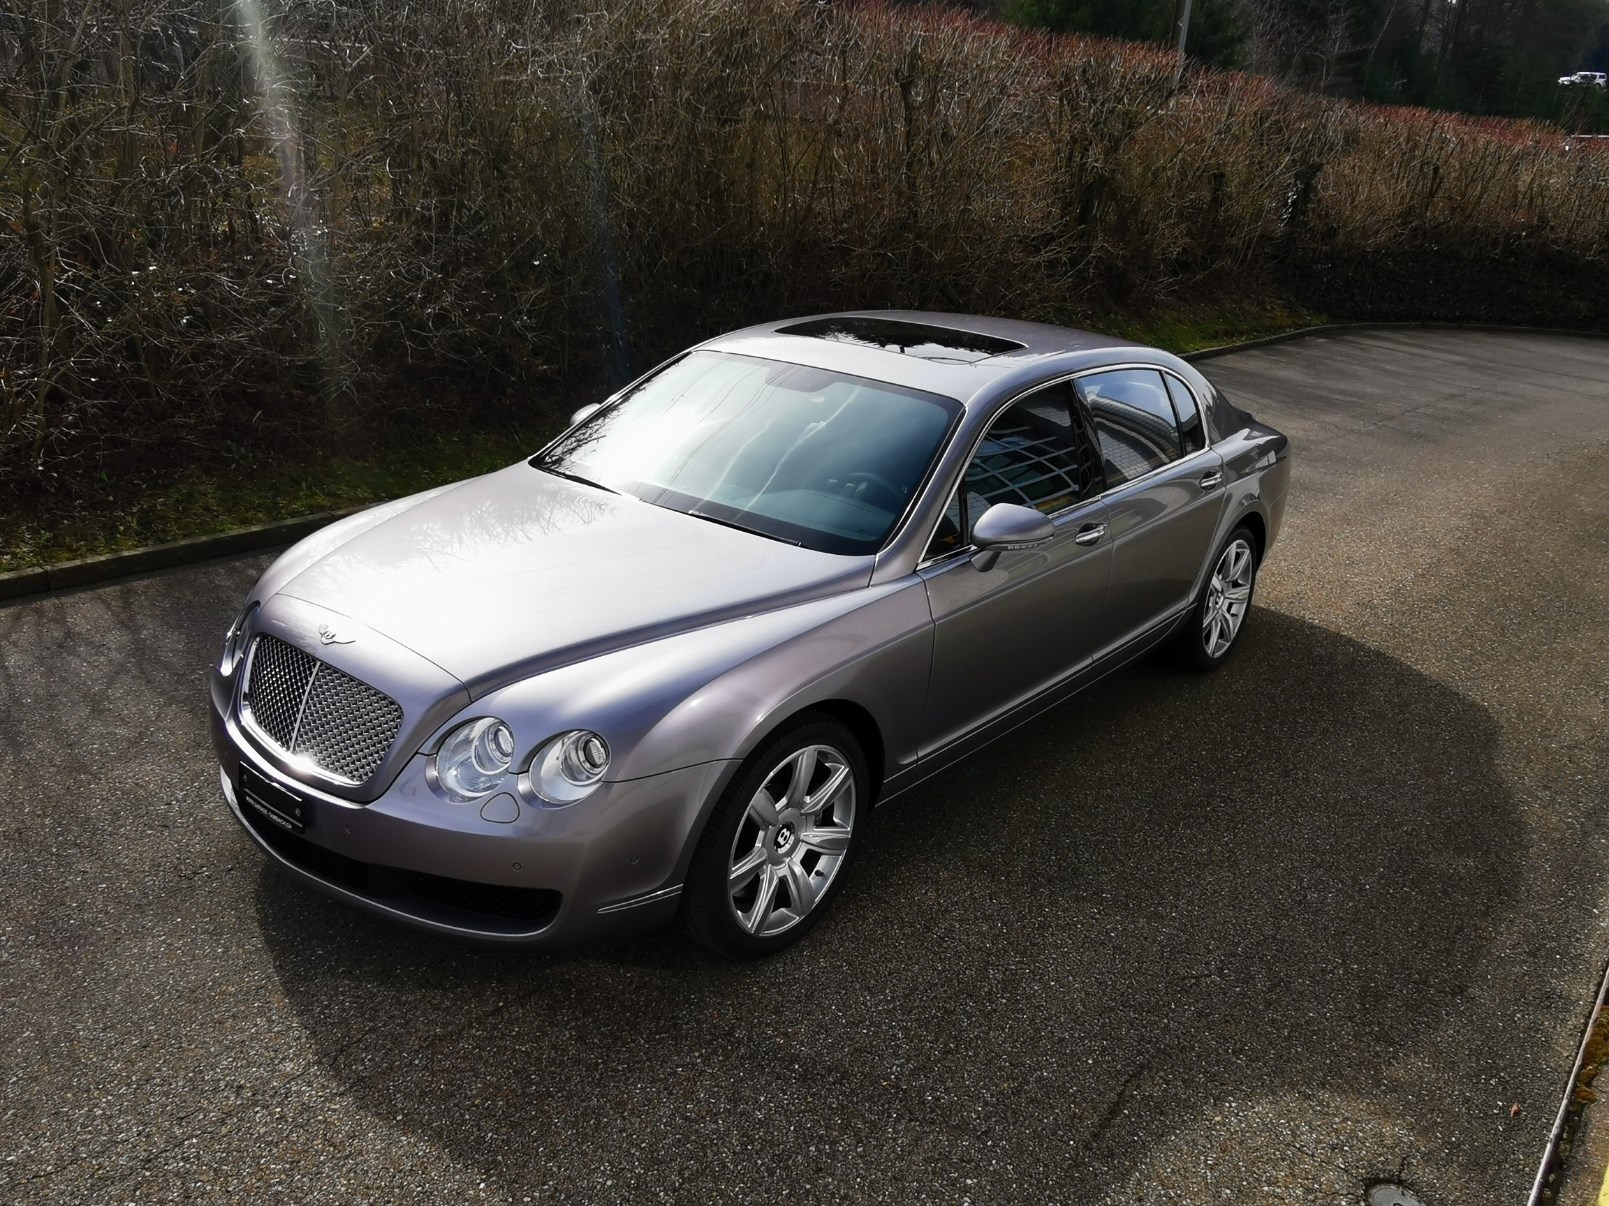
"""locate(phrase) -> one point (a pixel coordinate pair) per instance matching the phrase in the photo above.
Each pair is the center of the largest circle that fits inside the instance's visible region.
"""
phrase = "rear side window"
(1191, 432)
(1134, 421)
(1035, 455)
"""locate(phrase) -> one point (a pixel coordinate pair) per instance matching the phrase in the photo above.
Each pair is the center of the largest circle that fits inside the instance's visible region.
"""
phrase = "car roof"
(961, 356)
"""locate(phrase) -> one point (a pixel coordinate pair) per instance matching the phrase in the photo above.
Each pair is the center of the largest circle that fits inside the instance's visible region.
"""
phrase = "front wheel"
(1215, 622)
(775, 849)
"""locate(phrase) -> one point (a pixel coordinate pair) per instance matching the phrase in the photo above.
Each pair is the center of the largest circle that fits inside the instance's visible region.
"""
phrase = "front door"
(1003, 636)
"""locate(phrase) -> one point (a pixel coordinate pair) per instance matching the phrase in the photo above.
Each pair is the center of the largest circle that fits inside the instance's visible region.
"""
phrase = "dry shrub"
(248, 224)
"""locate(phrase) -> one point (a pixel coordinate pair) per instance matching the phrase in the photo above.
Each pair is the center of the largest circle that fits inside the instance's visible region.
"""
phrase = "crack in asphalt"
(1115, 1107)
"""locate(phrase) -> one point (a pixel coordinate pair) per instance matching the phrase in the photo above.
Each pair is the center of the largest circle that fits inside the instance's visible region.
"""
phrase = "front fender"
(712, 694)
(878, 657)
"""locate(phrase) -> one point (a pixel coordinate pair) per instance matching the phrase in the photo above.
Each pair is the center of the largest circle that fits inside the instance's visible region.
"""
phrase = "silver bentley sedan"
(664, 669)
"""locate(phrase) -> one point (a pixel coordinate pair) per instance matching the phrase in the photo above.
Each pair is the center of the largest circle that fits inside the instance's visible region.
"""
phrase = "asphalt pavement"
(1333, 914)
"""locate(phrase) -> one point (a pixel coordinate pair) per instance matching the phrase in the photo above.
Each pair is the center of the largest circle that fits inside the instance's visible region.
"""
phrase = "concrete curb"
(92, 570)
(244, 540)
(1343, 328)
(1568, 1174)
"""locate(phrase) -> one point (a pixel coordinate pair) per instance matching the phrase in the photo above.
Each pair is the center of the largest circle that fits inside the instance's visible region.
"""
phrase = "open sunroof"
(908, 338)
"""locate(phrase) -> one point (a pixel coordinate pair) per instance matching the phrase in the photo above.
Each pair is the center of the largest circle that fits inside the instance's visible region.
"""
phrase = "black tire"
(1193, 645)
(709, 909)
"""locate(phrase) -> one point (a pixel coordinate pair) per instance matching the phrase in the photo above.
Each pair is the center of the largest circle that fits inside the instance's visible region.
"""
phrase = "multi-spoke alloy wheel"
(778, 842)
(1220, 612)
(792, 840)
(1228, 597)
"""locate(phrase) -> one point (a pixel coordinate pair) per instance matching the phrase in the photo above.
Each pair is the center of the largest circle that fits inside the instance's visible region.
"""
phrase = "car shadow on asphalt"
(1058, 967)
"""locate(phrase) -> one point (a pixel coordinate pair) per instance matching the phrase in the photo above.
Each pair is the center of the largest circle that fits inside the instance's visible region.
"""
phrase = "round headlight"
(233, 644)
(472, 761)
(570, 767)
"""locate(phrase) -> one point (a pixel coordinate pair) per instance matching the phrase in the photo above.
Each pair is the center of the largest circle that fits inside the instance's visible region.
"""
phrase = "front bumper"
(605, 868)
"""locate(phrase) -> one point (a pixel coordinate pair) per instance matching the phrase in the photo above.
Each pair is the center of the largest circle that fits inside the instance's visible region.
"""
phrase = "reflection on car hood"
(519, 571)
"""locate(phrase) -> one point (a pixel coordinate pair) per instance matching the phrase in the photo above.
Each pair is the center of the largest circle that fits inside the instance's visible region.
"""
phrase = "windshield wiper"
(576, 477)
(727, 523)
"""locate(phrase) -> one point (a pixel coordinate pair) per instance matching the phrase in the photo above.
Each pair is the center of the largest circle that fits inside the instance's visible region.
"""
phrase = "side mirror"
(586, 412)
(1004, 528)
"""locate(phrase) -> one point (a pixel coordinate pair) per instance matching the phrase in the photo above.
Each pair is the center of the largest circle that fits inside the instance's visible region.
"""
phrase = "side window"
(1191, 431)
(1035, 454)
(1134, 421)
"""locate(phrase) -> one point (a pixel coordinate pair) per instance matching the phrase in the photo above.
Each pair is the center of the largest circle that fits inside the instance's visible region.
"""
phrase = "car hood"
(518, 572)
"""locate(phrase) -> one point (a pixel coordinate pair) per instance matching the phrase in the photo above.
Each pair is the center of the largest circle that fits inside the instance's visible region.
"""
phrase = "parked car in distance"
(665, 667)
(1601, 79)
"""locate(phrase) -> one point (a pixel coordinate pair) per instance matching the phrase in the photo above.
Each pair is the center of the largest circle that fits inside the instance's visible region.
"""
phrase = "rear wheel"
(1215, 622)
(775, 849)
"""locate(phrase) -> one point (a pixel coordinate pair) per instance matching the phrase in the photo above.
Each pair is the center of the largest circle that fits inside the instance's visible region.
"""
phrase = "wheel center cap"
(784, 839)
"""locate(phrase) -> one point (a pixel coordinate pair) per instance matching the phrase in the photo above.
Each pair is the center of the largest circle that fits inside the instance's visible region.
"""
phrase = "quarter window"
(1134, 421)
(947, 536)
(1035, 454)
(1191, 432)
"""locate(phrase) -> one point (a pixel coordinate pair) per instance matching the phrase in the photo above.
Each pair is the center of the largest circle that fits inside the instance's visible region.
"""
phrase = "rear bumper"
(606, 868)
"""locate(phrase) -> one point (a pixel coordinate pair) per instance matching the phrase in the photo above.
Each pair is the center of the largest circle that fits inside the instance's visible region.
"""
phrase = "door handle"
(1212, 479)
(1090, 533)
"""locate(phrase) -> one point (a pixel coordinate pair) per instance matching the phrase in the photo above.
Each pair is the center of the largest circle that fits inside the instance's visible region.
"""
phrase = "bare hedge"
(258, 222)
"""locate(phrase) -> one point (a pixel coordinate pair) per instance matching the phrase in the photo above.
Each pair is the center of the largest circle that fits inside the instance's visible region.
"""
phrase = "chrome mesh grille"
(312, 710)
(346, 726)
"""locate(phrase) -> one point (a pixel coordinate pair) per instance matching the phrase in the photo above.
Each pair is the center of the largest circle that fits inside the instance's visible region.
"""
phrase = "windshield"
(803, 455)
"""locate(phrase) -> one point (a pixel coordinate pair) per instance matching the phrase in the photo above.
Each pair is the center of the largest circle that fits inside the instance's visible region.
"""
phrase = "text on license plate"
(284, 808)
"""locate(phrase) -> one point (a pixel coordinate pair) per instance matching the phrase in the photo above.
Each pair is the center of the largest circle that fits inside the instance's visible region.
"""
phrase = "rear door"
(1003, 636)
(1164, 494)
